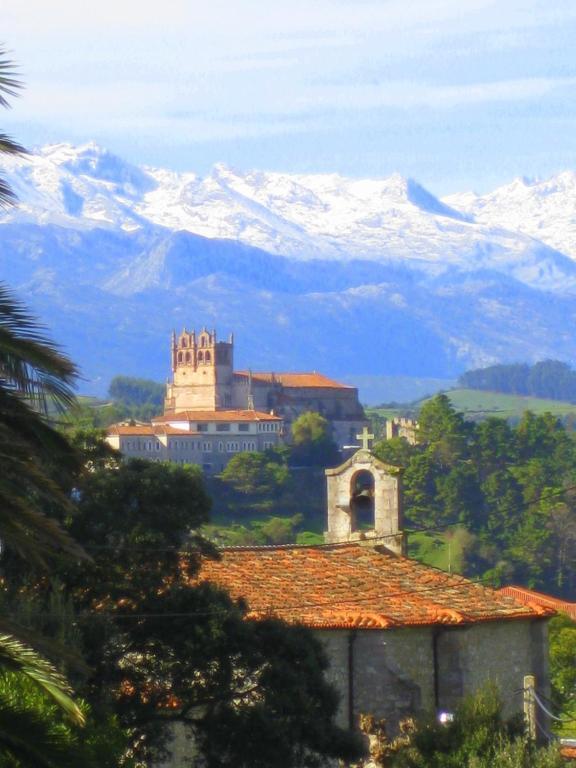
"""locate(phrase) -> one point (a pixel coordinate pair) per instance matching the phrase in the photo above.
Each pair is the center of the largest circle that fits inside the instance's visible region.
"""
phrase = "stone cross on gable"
(365, 438)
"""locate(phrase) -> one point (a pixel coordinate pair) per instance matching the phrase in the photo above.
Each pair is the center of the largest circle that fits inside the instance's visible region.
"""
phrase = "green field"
(441, 550)
(477, 404)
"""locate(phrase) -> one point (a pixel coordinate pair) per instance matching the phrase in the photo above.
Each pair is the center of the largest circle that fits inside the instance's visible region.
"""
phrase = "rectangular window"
(243, 427)
(222, 427)
(202, 427)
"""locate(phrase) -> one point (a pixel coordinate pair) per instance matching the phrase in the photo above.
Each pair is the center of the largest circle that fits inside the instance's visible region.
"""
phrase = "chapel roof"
(303, 380)
(230, 415)
(355, 586)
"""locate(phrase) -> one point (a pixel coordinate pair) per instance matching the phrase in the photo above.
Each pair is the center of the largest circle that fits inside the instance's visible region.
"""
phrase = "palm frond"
(29, 361)
(17, 657)
(10, 82)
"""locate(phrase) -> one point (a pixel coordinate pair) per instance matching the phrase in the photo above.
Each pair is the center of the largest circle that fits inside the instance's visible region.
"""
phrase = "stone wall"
(394, 670)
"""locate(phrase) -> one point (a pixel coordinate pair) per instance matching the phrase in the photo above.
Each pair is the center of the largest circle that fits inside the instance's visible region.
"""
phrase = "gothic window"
(188, 357)
(203, 341)
(208, 357)
(179, 357)
(362, 500)
(184, 342)
(200, 357)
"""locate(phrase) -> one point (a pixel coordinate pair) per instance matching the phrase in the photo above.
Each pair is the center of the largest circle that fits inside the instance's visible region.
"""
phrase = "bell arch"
(362, 512)
(365, 502)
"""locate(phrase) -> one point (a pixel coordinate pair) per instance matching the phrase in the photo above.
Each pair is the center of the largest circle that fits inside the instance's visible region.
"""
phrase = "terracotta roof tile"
(236, 415)
(531, 597)
(147, 430)
(311, 380)
(351, 585)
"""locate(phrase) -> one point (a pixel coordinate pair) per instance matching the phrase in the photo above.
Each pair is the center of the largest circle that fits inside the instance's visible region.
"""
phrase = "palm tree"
(35, 379)
(9, 86)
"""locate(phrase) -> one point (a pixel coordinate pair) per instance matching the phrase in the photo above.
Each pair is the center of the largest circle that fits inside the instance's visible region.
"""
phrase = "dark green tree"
(312, 442)
(163, 649)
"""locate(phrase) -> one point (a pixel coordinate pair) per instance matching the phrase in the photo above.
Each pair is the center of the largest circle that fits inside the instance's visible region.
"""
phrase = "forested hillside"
(513, 490)
(551, 379)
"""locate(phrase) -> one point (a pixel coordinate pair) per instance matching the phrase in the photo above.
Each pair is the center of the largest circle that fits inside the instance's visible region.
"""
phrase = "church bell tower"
(202, 372)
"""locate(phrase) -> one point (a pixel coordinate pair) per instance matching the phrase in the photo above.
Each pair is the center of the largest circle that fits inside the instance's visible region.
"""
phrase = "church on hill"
(403, 638)
(212, 411)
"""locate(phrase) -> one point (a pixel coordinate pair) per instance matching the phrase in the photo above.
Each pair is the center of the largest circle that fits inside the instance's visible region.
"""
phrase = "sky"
(458, 94)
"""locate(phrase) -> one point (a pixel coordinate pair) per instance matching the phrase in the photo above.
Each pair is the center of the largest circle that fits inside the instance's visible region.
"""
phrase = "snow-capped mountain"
(350, 276)
(299, 216)
(545, 210)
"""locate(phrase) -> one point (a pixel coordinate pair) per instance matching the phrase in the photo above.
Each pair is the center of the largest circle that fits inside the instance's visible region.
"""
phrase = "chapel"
(403, 638)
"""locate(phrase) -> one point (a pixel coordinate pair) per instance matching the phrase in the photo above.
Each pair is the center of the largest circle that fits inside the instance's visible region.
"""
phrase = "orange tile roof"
(568, 753)
(238, 415)
(351, 585)
(295, 379)
(147, 430)
(529, 597)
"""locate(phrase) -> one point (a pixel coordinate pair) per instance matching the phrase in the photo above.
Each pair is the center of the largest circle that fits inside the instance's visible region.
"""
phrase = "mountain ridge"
(359, 277)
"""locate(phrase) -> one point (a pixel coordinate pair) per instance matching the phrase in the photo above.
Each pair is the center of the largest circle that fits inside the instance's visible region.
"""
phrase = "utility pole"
(530, 706)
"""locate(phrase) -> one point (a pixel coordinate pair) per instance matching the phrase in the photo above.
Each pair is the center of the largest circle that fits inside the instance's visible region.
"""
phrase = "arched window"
(184, 342)
(203, 341)
(207, 357)
(179, 357)
(362, 501)
(188, 357)
(200, 357)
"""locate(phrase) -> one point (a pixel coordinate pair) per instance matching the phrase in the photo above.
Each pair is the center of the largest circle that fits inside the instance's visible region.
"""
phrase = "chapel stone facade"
(365, 502)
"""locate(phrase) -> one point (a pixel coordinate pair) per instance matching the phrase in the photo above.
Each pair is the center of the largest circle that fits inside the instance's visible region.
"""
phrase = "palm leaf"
(31, 739)
(30, 362)
(17, 657)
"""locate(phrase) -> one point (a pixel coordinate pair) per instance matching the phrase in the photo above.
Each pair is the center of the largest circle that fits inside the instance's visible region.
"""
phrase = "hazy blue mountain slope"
(354, 277)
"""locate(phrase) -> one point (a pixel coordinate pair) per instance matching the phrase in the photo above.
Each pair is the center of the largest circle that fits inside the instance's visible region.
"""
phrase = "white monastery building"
(212, 412)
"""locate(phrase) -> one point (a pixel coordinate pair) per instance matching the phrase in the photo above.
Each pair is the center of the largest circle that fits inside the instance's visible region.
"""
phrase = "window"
(222, 427)
(243, 427)
(179, 357)
(202, 427)
(268, 444)
(221, 446)
(232, 447)
(188, 357)
(200, 357)
(157, 446)
(208, 357)
(207, 447)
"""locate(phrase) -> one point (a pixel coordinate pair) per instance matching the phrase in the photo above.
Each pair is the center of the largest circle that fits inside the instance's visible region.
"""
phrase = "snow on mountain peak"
(307, 216)
(543, 209)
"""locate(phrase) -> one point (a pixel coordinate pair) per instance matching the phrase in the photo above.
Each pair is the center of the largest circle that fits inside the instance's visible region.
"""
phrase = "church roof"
(352, 585)
(236, 415)
(296, 380)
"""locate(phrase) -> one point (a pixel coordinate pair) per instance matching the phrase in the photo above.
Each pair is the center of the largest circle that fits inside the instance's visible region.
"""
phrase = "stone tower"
(365, 502)
(202, 372)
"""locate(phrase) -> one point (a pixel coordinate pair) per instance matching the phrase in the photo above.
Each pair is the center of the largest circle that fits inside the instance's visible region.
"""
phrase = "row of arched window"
(202, 357)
